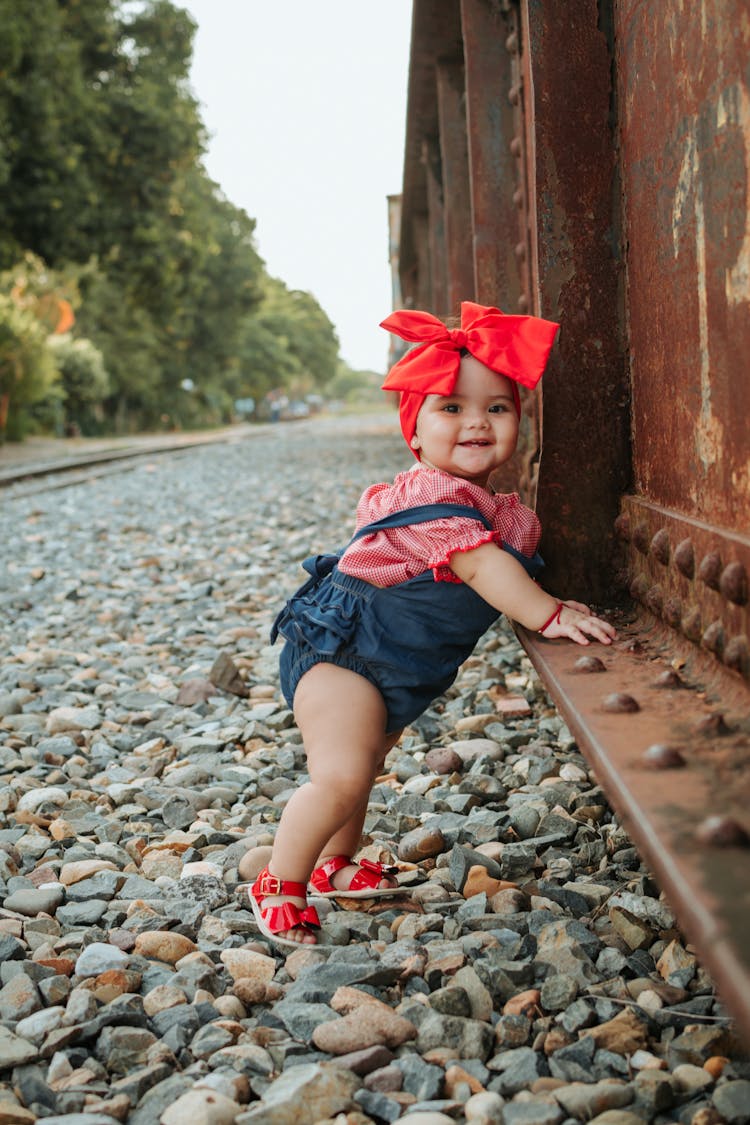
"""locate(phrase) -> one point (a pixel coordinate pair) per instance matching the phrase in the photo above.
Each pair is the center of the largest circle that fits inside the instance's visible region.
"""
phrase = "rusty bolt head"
(673, 612)
(663, 757)
(710, 569)
(713, 725)
(511, 43)
(522, 304)
(737, 655)
(692, 626)
(660, 546)
(655, 600)
(641, 538)
(684, 558)
(622, 527)
(669, 679)
(518, 197)
(733, 583)
(516, 146)
(620, 703)
(713, 638)
(514, 94)
(589, 664)
(722, 831)
(639, 588)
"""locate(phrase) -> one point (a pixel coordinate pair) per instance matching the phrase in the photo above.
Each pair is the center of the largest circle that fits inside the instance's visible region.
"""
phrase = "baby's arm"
(501, 580)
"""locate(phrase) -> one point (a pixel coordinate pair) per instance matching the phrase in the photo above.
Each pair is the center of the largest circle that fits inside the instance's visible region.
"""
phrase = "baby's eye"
(451, 408)
(498, 408)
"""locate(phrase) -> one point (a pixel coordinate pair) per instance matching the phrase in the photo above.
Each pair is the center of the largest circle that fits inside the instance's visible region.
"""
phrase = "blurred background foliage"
(132, 295)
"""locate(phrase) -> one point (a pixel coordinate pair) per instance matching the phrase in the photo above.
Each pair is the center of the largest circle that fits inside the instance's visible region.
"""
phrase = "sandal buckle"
(268, 884)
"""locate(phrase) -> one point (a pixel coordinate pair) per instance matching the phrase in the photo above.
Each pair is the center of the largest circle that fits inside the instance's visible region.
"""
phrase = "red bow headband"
(514, 346)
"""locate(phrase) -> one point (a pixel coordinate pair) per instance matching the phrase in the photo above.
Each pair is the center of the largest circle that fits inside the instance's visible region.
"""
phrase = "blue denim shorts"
(408, 640)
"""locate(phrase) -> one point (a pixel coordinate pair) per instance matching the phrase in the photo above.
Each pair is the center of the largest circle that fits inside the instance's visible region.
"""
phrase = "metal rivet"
(669, 679)
(622, 527)
(733, 583)
(684, 558)
(511, 43)
(710, 570)
(514, 94)
(661, 757)
(641, 538)
(589, 664)
(522, 304)
(660, 546)
(692, 625)
(620, 703)
(673, 612)
(655, 599)
(713, 638)
(722, 832)
(639, 588)
(516, 146)
(737, 655)
(713, 725)
(520, 251)
(518, 197)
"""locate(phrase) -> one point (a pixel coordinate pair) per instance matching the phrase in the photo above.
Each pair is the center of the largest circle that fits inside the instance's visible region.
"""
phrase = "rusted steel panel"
(455, 175)
(665, 797)
(436, 290)
(692, 576)
(685, 112)
(585, 454)
(497, 193)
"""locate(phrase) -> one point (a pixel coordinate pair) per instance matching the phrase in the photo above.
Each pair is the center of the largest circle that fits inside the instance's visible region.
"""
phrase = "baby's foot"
(338, 875)
(281, 910)
(342, 879)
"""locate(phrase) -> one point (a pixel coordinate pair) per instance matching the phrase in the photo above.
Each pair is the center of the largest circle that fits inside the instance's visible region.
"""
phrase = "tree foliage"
(101, 177)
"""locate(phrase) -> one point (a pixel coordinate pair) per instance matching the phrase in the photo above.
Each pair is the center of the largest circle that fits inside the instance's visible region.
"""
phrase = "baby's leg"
(342, 717)
(347, 839)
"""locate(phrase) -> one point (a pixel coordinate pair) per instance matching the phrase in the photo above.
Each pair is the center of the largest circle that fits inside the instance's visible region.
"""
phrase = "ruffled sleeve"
(388, 557)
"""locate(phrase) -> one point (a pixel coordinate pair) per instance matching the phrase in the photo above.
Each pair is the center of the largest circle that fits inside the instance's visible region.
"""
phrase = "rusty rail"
(667, 733)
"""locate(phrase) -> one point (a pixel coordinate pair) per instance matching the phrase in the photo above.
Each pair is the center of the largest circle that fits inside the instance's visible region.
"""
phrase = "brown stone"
(523, 1003)
(163, 945)
(479, 880)
(623, 1035)
(456, 1076)
(421, 843)
(378, 1025)
(250, 990)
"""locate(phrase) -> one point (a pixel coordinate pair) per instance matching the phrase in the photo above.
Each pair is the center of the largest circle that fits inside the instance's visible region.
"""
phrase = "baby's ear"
(414, 443)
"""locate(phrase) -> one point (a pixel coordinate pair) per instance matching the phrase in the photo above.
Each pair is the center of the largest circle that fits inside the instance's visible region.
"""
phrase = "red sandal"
(285, 916)
(363, 885)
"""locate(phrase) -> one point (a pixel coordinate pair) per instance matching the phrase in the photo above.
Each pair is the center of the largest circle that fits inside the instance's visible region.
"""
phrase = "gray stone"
(304, 1095)
(468, 1038)
(537, 1111)
(32, 901)
(732, 1100)
(586, 1101)
(422, 1079)
(517, 1070)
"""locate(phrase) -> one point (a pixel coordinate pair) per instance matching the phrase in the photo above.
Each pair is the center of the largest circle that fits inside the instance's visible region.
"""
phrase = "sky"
(305, 106)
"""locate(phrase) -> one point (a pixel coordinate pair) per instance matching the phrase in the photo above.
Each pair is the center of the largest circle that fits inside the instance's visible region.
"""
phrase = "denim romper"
(409, 640)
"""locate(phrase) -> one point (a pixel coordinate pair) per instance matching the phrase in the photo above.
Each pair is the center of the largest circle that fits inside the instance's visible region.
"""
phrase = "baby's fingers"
(602, 631)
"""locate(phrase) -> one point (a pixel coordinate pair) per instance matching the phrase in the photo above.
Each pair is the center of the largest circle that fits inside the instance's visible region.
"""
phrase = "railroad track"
(665, 728)
(27, 478)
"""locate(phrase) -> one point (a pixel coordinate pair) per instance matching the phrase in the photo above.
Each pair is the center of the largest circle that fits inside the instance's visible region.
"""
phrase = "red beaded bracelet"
(555, 617)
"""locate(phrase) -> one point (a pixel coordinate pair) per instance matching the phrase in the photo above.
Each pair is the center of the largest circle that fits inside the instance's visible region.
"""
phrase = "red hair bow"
(514, 346)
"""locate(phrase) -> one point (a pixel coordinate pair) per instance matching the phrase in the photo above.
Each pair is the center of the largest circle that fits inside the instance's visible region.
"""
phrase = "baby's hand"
(576, 621)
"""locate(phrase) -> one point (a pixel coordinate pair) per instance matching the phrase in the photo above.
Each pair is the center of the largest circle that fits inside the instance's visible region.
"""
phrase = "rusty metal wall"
(589, 162)
(684, 95)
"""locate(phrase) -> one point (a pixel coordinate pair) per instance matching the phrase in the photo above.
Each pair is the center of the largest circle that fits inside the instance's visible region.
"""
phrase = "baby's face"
(473, 431)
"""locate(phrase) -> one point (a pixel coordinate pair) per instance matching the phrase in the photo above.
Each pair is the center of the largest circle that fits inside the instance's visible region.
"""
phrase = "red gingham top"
(388, 557)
